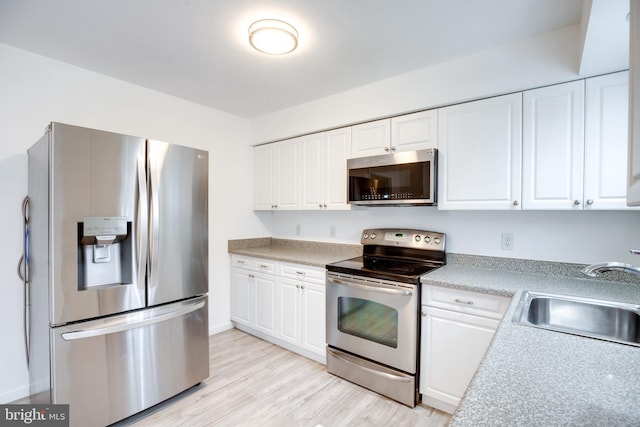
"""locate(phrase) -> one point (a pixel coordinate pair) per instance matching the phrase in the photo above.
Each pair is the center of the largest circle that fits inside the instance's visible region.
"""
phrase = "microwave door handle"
(372, 288)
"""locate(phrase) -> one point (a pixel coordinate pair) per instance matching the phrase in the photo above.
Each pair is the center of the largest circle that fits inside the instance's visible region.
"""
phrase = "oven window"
(369, 320)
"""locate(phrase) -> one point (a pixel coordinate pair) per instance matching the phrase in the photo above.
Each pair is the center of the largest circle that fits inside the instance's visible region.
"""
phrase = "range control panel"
(406, 238)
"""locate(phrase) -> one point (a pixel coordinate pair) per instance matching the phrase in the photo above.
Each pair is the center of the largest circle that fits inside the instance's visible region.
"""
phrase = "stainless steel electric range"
(373, 303)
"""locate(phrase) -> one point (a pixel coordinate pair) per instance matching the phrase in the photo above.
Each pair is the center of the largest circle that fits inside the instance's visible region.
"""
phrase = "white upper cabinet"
(337, 151)
(553, 147)
(575, 145)
(323, 171)
(479, 159)
(371, 139)
(287, 177)
(312, 173)
(276, 176)
(409, 132)
(606, 141)
(633, 189)
(264, 157)
(416, 131)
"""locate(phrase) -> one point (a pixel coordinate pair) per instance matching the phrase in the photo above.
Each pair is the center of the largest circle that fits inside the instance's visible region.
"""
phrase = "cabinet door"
(312, 171)
(265, 303)
(371, 139)
(337, 151)
(479, 159)
(313, 318)
(289, 310)
(264, 169)
(241, 296)
(452, 347)
(287, 175)
(633, 189)
(553, 147)
(417, 131)
(606, 141)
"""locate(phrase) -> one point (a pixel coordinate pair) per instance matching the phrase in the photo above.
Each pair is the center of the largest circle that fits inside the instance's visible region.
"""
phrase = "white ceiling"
(198, 50)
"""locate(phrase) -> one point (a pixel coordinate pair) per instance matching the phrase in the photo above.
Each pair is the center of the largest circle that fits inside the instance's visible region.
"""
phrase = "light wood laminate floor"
(256, 383)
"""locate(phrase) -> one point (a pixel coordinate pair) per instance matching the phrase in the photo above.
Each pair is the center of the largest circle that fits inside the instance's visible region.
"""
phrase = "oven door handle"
(372, 288)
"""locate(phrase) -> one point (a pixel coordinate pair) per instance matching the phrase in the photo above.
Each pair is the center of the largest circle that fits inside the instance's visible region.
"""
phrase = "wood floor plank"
(256, 383)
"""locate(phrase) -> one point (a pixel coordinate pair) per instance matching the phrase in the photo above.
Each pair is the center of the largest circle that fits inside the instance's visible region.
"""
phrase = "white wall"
(581, 237)
(35, 91)
(549, 59)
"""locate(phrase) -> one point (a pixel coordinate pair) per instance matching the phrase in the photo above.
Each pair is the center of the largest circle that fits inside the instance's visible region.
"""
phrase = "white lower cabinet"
(457, 328)
(253, 293)
(283, 303)
(301, 291)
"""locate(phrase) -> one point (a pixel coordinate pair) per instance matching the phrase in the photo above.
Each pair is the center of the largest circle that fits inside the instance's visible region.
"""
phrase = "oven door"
(374, 319)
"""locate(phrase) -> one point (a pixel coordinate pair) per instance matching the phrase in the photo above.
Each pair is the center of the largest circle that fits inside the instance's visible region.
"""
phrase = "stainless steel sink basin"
(607, 320)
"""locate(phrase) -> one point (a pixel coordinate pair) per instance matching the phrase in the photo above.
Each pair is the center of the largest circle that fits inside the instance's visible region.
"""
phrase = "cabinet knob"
(393, 148)
(324, 206)
(589, 201)
(386, 148)
(297, 286)
(576, 202)
(301, 286)
(320, 205)
(515, 203)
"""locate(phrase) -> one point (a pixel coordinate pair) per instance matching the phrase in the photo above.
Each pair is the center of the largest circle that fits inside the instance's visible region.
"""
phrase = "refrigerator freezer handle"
(125, 326)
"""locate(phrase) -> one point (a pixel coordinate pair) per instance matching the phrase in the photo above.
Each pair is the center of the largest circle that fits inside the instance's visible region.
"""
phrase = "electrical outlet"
(507, 242)
(297, 229)
(332, 231)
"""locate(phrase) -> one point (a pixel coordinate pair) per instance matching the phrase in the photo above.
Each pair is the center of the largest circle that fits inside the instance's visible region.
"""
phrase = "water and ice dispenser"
(105, 252)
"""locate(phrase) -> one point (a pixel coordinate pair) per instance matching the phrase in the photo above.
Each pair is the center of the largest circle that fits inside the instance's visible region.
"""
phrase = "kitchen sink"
(593, 318)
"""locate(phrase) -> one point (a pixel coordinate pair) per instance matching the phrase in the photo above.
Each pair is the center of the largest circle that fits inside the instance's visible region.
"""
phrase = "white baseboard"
(15, 394)
(216, 329)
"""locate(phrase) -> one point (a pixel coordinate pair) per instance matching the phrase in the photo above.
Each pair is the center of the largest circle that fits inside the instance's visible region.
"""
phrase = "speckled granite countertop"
(535, 377)
(317, 254)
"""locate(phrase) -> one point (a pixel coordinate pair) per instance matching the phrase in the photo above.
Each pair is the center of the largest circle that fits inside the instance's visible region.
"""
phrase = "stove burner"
(395, 254)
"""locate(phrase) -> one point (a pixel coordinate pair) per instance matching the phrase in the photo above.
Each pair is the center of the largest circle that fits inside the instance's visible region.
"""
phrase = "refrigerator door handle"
(154, 208)
(118, 325)
(142, 222)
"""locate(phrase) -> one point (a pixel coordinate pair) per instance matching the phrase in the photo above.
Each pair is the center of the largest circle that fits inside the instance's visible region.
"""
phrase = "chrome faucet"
(594, 270)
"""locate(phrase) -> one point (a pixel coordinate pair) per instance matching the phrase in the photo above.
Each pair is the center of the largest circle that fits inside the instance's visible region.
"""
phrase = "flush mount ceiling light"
(273, 36)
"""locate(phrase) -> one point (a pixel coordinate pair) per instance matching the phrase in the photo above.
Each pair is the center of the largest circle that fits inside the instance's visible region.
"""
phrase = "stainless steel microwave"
(406, 178)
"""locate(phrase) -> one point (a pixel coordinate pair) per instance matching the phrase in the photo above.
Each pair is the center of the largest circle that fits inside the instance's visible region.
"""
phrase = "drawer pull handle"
(461, 301)
(264, 266)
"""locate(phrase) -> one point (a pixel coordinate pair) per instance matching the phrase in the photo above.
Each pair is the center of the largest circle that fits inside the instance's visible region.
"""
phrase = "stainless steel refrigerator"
(118, 272)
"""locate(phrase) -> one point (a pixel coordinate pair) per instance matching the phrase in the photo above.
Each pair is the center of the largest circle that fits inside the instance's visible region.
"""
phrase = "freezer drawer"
(111, 368)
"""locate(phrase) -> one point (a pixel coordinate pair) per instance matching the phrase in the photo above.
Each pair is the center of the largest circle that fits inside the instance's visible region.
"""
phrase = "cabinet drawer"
(302, 272)
(492, 306)
(266, 266)
(245, 262)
